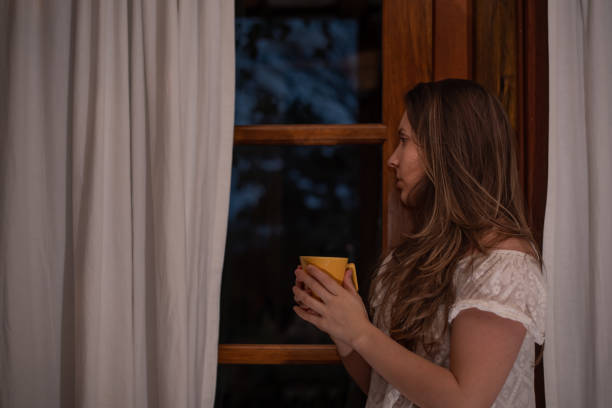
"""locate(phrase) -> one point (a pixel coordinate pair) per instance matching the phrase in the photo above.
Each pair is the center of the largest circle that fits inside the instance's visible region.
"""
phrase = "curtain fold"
(578, 227)
(116, 144)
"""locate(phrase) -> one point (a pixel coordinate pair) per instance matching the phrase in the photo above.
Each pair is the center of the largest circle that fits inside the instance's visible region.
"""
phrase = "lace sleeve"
(507, 283)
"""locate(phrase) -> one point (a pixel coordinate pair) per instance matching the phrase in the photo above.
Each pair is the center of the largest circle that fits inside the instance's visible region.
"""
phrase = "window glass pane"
(308, 62)
(292, 386)
(288, 201)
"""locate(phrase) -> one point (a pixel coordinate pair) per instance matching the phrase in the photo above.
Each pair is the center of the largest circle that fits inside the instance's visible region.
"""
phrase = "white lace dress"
(508, 283)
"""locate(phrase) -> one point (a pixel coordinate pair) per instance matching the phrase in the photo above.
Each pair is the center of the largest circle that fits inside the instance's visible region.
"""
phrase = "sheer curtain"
(116, 132)
(578, 226)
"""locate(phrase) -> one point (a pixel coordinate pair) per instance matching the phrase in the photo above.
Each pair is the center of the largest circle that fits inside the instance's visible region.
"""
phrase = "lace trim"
(499, 251)
(501, 310)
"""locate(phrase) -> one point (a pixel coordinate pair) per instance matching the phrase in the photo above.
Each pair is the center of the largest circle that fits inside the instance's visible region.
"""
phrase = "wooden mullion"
(534, 109)
(274, 354)
(407, 60)
(310, 134)
(495, 52)
(532, 39)
(452, 46)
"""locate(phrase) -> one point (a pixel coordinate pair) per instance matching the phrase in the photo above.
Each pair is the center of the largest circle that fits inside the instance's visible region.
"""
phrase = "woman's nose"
(392, 161)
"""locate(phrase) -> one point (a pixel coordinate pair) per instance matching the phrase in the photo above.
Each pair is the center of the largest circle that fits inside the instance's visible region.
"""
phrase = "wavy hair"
(469, 200)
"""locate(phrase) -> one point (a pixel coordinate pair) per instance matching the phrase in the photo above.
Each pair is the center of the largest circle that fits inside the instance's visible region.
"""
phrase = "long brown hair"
(469, 200)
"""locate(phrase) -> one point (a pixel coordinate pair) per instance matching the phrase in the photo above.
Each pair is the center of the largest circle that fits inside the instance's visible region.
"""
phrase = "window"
(319, 95)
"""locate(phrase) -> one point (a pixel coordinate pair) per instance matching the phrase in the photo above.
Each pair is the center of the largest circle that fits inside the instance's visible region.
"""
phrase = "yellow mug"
(333, 266)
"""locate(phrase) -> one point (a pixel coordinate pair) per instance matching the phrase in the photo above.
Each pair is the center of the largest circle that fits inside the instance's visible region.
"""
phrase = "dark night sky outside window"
(319, 68)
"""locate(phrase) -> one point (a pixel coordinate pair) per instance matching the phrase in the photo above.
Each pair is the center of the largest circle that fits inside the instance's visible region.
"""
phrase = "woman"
(458, 305)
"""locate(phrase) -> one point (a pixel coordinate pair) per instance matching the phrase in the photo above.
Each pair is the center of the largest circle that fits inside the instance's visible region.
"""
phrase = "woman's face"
(406, 162)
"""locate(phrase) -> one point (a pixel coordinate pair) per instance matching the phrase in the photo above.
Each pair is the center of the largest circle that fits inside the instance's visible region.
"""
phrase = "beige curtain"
(116, 130)
(578, 225)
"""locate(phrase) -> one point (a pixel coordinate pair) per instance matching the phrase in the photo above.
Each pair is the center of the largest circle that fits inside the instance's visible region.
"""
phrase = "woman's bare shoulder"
(516, 244)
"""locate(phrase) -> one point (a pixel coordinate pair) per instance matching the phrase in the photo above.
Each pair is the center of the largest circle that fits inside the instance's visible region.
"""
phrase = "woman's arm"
(359, 369)
(484, 347)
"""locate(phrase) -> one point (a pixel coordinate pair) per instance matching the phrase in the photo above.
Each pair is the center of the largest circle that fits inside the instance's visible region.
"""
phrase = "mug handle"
(351, 266)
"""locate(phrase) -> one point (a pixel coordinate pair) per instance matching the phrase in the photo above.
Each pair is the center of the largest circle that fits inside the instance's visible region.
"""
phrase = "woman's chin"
(407, 199)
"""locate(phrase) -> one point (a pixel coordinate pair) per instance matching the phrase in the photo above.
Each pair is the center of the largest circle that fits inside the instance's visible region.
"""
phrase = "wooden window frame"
(406, 61)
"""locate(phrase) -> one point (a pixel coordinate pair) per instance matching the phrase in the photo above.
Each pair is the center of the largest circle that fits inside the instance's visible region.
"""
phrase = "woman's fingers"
(309, 317)
(330, 284)
(324, 279)
(302, 278)
(307, 301)
(298, 281)
(307, 309)
(348, 281)
(314, 284)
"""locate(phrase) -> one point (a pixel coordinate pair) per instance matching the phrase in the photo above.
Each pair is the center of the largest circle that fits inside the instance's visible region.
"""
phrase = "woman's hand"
(343, 348)
(339, 311)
